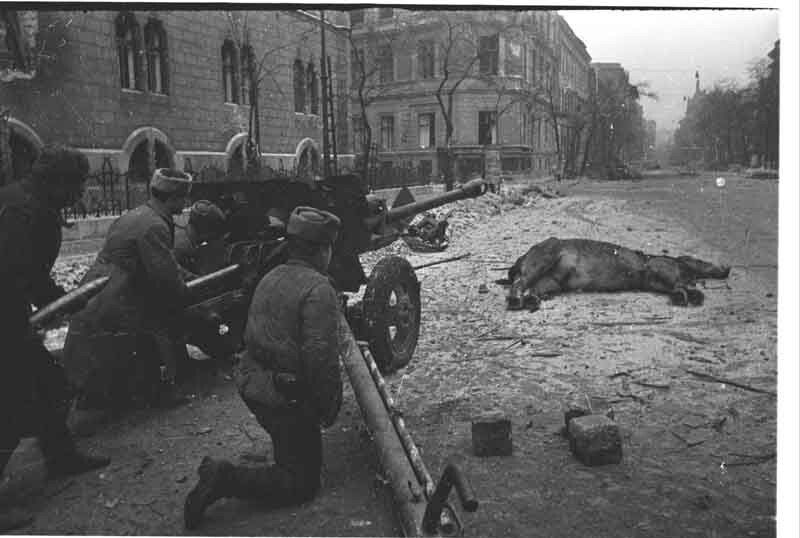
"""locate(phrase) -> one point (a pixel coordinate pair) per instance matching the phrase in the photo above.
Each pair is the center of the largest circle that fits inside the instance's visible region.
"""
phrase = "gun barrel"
(200, 282)
(471, 189)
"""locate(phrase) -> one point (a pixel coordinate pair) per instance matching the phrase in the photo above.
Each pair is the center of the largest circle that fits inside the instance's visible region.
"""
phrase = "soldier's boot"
(12, 518)
(214, 479)
(64, 459)
(275, 485)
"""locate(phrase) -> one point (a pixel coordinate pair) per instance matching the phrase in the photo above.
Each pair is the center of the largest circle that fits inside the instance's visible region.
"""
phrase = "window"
(387, 132)
(128, 50)
(487, 127)
(427, 130)
(425, 59)
(359, 133)
(385, 64)
(488, 53)
(356, 58)
(524, 129)
(299, 87)
(155, 41)
(356, 16)
(248, 67)
(230, 77)
(146, 152)
(385, 13)
(311, 89)
(426, 168)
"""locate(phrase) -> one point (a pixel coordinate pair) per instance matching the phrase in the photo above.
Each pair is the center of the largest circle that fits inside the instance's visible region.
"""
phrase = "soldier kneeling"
(288, 376)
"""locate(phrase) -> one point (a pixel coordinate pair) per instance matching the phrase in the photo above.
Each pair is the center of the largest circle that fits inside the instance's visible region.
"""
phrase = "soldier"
(288, 375)
(205, 228)
(201, 248)
(113, 344)
(34, 396)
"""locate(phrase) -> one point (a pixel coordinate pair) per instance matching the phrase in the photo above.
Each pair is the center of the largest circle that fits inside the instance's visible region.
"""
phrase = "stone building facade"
(511, 64)
(575, 77)
(136, 89)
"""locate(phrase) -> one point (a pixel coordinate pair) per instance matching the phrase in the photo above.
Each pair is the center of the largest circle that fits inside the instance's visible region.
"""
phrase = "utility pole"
(326, 158)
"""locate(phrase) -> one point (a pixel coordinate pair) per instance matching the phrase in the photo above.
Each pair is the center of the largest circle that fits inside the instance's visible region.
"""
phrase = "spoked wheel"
(392, 313)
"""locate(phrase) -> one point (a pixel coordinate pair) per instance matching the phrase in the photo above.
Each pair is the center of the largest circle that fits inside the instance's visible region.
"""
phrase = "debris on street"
(595, 440)
(491, 436)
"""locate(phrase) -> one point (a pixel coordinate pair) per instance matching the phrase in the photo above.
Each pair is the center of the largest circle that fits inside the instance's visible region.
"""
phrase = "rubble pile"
(465, 214)
(69, 271)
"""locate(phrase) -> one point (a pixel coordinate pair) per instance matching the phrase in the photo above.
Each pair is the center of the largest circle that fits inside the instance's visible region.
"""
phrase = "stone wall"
(77, 99)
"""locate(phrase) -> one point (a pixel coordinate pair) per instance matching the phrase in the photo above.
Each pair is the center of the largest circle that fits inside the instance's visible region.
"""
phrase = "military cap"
(58, 163)
(313, 225)
(206, 217)
(170, 180)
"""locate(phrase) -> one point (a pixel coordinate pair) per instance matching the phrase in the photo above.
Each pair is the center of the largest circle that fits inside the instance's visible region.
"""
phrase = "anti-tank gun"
(387, 317)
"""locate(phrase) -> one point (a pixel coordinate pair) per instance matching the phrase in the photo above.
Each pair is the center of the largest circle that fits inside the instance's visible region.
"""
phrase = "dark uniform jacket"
(30, 238)
(198, 258)
(292, 327)
(144, 295)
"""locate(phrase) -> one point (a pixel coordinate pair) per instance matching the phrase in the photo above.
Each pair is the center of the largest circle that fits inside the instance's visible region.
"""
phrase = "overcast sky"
(667, 47)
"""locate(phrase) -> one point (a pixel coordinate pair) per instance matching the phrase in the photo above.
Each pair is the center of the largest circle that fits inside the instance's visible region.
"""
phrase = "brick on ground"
(491, 436)
(595, 440)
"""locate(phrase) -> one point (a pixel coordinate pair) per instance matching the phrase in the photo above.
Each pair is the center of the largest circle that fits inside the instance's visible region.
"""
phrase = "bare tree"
(259, 67)
(372, 54)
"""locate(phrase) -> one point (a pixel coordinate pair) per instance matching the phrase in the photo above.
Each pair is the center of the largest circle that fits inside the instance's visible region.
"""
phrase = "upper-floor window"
(356, 16)
(128, 47)
(387, 132)
(385, 63)
(488, 53)
(425, 59)
(248, 72)
(427, 130)
(299, 87)
(385, 13)
(230, 73)
(311, 91)
(155, 41)
(487, 127)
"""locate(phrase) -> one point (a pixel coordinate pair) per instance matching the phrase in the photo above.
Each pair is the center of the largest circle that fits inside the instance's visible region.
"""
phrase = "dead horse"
(560, 265)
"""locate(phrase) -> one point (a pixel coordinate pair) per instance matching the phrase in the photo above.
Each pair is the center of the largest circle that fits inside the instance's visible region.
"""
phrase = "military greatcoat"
(140, 303)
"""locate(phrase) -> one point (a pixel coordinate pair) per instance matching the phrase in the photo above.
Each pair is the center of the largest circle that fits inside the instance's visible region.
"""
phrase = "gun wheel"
(392, 313)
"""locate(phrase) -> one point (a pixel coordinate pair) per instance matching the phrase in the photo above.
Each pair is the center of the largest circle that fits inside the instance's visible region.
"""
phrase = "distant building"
(135, 90)
(575, 78)
(620, 129)
(511, 70)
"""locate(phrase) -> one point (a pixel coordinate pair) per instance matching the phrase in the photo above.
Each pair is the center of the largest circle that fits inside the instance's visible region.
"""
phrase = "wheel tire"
(392, 313)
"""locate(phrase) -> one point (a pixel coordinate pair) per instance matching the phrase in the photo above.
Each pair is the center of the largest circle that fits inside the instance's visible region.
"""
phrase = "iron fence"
(388, 174)
(107, 192)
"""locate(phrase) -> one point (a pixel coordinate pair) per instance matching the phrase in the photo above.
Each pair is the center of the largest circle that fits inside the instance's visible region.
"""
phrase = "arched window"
(128, 49)
(142, 163)
(248, 67)
(311, 89)
(299, 87)
(230, 80)
(155, 41)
